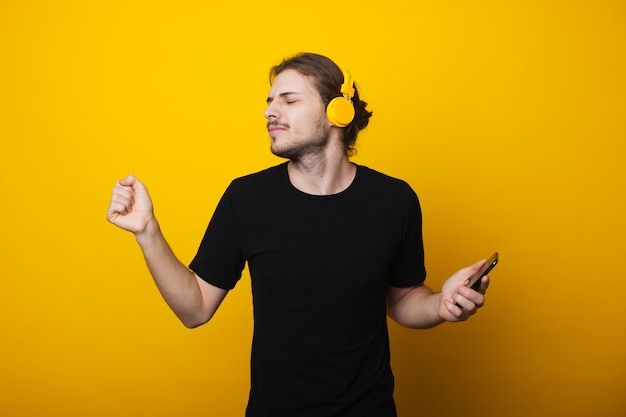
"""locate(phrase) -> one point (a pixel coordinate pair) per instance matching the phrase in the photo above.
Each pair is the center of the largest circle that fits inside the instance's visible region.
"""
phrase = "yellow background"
(507, 118)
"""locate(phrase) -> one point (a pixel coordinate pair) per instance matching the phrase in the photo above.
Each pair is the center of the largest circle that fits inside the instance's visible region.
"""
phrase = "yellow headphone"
(340, 110)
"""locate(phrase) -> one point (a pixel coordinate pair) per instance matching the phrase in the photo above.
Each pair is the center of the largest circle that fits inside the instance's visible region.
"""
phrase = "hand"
(131, 207)
(457, 301)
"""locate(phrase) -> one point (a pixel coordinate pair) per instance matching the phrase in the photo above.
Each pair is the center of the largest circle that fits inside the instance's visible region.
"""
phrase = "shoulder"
(267, 177)
(269, 174)
(267, 184)
(380, 182)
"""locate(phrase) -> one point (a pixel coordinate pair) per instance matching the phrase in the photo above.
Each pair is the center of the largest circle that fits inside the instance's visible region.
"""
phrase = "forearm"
(420, 308)
(176, 283)
(416, 307)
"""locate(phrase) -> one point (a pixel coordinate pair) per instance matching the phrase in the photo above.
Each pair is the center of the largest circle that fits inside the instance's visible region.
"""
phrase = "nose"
(271, 111)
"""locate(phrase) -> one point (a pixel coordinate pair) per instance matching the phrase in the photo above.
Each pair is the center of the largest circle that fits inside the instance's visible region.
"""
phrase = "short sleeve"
(408, 268)
(219, 260)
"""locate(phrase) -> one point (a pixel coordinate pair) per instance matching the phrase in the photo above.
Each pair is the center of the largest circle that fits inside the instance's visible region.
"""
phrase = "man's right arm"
(193, 300)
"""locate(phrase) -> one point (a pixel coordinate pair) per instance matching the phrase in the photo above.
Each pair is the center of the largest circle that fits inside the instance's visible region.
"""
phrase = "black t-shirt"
(320, 268)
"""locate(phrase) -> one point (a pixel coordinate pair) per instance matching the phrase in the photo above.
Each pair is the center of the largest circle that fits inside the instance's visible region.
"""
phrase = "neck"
(322, 175)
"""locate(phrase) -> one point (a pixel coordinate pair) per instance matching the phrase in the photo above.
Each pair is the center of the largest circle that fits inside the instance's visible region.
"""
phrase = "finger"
(456, 311)
(117, 208)
(475, 298)
(484, 284)
(453, 308)
(124, 196)
(123, 193)
(464, 304)
(134, 184)
(124, 188)
(129, 181)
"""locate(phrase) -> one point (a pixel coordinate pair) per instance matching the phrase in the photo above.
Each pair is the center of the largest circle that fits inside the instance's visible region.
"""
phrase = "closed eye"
(287, 97)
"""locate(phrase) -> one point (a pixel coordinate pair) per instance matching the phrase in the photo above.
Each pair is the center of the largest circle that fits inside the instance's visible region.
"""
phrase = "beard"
(306, 144)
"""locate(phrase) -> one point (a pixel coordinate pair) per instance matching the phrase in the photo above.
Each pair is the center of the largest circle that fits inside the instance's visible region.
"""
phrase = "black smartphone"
(474, 281)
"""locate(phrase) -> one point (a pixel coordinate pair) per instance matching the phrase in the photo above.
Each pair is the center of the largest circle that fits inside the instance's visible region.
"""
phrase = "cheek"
(317, 119)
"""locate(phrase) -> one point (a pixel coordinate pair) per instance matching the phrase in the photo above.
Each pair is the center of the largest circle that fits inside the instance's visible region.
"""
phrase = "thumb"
(475, 267)
(471, 270)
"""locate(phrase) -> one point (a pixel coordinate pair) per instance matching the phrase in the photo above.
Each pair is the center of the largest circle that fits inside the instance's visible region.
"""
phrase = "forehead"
(291, 81)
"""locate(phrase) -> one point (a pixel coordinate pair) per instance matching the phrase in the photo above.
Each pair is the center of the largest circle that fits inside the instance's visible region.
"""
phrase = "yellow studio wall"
(507, 118)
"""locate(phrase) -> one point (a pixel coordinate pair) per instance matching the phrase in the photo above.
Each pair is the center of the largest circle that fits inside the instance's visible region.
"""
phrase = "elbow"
(193, 322)
(417, 320)
(402, 321)
(415, 323)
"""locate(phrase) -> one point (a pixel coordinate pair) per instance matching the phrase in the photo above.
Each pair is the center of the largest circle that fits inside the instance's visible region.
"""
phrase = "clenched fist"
(131, 206)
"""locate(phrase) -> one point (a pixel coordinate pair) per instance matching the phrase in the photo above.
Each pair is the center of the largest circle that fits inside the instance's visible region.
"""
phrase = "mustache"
(275, 123)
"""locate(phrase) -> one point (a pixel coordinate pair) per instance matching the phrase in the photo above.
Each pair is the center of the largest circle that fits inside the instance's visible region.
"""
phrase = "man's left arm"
(419, 307)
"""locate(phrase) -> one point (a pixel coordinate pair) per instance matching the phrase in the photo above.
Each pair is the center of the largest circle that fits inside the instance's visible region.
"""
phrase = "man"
(332, 248)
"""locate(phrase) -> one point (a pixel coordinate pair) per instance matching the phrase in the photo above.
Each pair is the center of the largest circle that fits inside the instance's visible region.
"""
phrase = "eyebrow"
(285, 94)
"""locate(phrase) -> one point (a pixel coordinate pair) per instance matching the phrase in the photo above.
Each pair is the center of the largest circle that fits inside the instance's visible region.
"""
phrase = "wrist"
(149, 232)
(441, 308)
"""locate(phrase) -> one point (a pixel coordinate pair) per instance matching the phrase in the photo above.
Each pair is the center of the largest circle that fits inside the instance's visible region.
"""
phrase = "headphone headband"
(347, 87)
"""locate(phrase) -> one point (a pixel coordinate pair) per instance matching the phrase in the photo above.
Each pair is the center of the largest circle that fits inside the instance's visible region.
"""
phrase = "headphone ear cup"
(340, 112)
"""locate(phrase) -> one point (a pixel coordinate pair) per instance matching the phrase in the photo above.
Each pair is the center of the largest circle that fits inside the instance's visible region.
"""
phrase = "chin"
(285, 153)
(299, 150)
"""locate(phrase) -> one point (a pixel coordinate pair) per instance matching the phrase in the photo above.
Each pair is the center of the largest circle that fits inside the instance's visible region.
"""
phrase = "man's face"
(296, 117)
